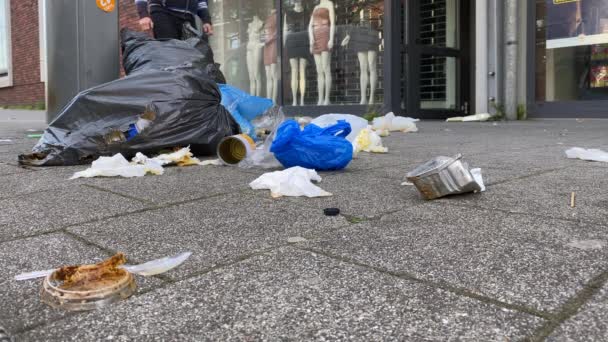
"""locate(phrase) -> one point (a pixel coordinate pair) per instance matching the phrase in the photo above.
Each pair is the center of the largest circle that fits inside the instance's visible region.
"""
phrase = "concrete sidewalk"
(514, 263)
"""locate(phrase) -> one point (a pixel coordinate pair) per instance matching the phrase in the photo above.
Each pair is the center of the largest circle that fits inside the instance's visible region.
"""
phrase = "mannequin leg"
(320, 79)
(303, 64)
(274, 72)
(373, 74)
(326, 62)
(293, 63)
(251, 72)
(257, 58)
(268, 82)
(363, 76)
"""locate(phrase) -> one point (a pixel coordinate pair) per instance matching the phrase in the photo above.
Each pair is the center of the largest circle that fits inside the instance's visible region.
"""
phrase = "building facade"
(424, 58)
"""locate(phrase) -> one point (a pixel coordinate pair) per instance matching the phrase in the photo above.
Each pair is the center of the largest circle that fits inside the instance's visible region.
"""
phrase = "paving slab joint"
(443, 286)
(571, 307)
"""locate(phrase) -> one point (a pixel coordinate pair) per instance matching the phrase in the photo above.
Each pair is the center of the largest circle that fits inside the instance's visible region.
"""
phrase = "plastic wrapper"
(293, 182)
(356, 123)
(244, 107)
(266, 127)
(369, 141)
(391, 123)
(317, 148)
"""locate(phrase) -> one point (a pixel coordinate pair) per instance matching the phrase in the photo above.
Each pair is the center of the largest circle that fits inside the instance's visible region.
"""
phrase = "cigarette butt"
(573, 200)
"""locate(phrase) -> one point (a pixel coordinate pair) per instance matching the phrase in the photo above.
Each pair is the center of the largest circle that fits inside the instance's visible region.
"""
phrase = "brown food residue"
(90, 277)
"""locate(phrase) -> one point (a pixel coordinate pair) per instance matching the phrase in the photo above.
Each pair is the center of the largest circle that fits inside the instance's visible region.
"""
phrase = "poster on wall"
(576, 23)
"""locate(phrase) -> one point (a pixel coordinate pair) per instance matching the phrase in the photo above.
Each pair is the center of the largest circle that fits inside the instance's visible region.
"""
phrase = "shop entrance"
(436, 58)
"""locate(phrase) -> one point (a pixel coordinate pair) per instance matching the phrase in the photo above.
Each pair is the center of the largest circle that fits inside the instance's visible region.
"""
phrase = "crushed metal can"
(443, 176)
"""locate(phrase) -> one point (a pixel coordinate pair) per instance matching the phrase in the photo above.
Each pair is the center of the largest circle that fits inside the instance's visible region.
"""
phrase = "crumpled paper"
(369, 141)
(391, 123)
(589, 155)
(293, 182)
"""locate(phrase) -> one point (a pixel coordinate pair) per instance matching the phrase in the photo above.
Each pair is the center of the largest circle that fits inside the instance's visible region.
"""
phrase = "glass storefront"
(332, 51)
(571, 50)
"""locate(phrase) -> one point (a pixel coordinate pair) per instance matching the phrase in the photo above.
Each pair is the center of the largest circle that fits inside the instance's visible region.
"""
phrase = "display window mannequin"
(321, 32)
(270, 56)
(365, 41)
(254, 56)
(297, 49)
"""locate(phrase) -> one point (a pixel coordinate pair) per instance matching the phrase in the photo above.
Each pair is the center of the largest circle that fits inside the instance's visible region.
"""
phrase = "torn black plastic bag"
(184, 101)
(142, 53)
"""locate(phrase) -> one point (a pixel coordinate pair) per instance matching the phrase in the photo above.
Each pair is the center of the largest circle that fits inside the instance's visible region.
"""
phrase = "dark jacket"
(194, 7)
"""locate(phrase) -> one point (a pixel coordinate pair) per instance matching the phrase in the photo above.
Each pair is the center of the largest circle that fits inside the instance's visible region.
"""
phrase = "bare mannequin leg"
(268, 82)
(293, 62)
(303, 64)
(320, 79)
(251, 69)
(373, 74)
(326, 62)
(274, 72)
(363, 76)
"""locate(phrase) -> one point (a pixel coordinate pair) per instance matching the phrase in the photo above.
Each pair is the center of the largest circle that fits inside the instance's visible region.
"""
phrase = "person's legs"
(166, 26)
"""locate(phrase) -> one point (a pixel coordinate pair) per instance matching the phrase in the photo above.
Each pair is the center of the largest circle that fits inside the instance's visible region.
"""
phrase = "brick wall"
(27, 88)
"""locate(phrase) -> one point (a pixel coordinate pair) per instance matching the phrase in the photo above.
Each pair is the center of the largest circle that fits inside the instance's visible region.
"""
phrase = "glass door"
(434, 58)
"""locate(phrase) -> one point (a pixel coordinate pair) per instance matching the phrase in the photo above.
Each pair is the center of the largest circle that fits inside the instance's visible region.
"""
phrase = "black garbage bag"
(185, 108)
(142, 53)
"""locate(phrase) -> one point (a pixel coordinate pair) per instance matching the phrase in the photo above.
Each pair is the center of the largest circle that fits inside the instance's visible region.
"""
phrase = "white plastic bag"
(356, 123)
(293, 182)
(471, 118)
(589, 155)
(476, 173)
(391, 123)
(369, 141)
(118, 166)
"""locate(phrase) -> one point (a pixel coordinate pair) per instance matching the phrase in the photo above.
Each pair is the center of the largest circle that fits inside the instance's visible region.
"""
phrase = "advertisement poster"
(576, 23)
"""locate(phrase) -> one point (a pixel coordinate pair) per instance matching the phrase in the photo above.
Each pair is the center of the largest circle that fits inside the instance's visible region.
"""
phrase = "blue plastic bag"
(322, 149)
(243, 107)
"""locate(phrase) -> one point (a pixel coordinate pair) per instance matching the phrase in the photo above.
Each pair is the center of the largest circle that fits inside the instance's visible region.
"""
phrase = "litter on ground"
(293, 182)
(444, 176)
(391, 123)
(369, 141)
(588, 155)
(470, 118)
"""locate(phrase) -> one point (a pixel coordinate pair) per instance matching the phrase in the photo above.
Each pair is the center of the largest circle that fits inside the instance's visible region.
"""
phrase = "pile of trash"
(166, 100)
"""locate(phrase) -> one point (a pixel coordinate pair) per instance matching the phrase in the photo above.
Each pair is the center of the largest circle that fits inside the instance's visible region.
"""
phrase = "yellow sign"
(106, 5)
(559, 2)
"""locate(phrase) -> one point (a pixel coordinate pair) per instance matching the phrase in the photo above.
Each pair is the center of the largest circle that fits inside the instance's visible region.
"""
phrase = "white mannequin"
(272, 70)
(254, 56)
(298, 65)
(323, 59)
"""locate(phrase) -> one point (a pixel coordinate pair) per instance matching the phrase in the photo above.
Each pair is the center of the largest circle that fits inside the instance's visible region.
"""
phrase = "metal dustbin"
(443, 176)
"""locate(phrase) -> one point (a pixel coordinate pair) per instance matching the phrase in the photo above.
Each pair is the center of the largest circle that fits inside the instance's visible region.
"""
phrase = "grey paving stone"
(180, 184)
(293, 295)
(361, 195)
(589, 324)
(21, 304)
(51, 210)
(217, 230)
(517, 259)
(39, 179)
(549, 195)
(10, 169)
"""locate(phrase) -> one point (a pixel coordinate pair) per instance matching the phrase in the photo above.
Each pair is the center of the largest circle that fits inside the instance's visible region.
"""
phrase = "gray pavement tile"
(180, 184)
(294, 295)
(217, 230)
(39, 179)
(517, 259)
(361, 194)
(21, 305)
(50, 210)
(589, 324)
(10, 169)
(549, 195)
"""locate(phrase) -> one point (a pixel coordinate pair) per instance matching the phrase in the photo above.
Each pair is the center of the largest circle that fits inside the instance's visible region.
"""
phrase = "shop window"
(5, 44)
(333, 52)
(245, 43)
(571, 50)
